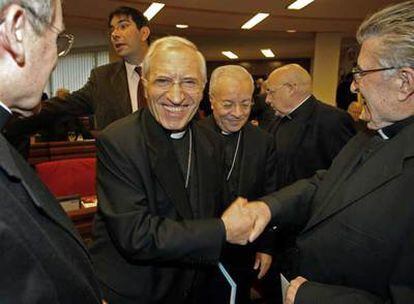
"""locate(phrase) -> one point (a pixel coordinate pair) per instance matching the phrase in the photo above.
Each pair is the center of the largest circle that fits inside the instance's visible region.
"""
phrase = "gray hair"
(170, 42)
(394, 25)
(40, 12)
(228, 70)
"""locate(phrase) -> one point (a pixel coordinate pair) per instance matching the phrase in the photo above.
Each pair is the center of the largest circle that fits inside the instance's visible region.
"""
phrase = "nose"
(175, 94)
(114, 34)
(267, 99)
(237, 110)
(354, 87)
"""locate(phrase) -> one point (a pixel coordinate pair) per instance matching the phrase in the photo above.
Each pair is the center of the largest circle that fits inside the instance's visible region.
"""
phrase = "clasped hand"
(245, 221)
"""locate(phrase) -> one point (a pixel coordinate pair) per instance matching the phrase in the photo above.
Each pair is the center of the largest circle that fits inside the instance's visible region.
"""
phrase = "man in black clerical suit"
(249, 167)
(357, 243)
(42, 257)
(112, 91)
(308, 133)
(160, 176)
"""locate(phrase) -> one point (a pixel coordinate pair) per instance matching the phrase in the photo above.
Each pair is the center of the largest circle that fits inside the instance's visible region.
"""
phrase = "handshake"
(245, 221)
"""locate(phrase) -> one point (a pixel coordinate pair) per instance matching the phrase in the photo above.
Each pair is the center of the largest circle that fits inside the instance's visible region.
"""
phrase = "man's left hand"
(293, 289)
(263, 260)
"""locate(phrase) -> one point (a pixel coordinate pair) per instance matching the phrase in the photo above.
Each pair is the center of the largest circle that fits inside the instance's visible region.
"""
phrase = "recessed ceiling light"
(181, 26)
(230, 54)
(291, 31)
(299, 4)
(267, 53)
(153, 9)
(255, 20)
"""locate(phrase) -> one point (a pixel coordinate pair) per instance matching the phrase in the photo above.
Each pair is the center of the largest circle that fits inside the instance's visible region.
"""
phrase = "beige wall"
(325, 66)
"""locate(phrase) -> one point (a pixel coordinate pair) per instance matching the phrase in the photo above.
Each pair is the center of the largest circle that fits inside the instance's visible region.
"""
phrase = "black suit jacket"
(43, 259)
(310, 140)
(148, 246)
(105, 95)
(358, 242)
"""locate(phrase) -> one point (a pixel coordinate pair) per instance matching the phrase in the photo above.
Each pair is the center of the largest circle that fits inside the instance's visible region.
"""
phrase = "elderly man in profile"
(159, 188)
(308, 133)
(357, 243)
(43, 259)
(249, 166)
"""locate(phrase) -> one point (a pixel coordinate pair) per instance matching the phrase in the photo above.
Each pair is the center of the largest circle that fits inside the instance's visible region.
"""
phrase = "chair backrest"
(69, 176)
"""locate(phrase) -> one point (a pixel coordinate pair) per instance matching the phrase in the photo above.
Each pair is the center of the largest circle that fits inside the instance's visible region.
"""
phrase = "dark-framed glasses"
(358, 73)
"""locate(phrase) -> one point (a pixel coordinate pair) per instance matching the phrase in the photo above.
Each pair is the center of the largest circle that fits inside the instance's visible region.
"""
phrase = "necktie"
(141, 100)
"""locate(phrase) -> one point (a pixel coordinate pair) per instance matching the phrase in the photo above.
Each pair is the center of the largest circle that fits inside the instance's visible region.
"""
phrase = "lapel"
(119, 83)
(165, 165)
(205, 170)
(41, 197)
(380, 168)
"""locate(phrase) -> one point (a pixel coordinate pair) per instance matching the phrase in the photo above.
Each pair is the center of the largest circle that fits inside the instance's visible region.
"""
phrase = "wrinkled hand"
(261, 215)
(263, 260)
(238, 222)
(293, 289)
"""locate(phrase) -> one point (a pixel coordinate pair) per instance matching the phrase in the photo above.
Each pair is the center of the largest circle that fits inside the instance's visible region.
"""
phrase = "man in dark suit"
(308, 133)
(249, 167)
(43, 259)
(112, 91)
(156, 233)
(357, 243)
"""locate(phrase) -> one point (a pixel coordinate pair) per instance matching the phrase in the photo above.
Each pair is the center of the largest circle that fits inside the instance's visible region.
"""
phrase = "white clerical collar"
(178, 135)
(5, 107)
(382, 134)
(301, 103)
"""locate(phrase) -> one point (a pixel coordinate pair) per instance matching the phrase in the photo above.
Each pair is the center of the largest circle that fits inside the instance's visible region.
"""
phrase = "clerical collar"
(177, 135)
(289, 115)
(392, 130)
(5, 114)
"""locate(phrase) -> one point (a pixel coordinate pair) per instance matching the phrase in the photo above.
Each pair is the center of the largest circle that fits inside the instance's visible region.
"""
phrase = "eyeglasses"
(186, 84)
(228, 105)
(64, 41)
(273, 91)
(358, 73)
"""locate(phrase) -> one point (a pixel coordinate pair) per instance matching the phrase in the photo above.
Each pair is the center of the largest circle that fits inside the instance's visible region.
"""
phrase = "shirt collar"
(131, 69)
(301, 103)
(392, 130)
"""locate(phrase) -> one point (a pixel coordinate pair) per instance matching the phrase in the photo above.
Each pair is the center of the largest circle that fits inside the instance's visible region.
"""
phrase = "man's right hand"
(238, 222)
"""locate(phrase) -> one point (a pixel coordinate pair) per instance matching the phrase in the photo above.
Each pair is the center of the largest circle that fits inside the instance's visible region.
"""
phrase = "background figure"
(156, 238)
(355, 110)
(249, 168)
(343, 254)
(43, 259)
(112, 91)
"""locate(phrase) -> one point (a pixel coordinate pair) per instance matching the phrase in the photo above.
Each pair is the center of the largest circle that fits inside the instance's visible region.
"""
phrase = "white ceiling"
(215, 25)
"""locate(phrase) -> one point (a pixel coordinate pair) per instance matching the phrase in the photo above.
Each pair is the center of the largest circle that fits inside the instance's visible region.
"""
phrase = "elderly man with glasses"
(249, 168)
(357, 240)
(43, 259)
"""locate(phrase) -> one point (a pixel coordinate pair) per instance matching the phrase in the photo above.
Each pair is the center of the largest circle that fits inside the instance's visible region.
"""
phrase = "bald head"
(231, 90)
(221, 76)
(287, 87)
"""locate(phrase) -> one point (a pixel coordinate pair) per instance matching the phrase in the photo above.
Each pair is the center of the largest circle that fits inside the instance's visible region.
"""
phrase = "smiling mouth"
(176, 109)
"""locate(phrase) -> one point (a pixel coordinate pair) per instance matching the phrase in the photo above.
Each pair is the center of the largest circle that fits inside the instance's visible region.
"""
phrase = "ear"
(406, 83)
(145, 32)
(12, 31)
